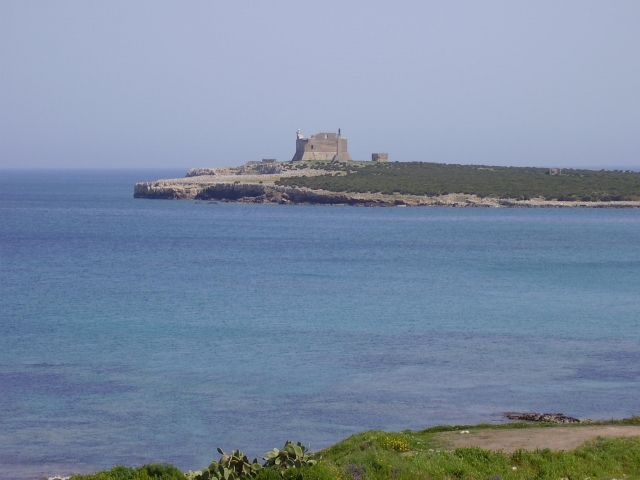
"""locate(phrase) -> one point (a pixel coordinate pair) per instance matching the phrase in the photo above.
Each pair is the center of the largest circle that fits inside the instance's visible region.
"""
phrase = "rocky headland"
(258, 183)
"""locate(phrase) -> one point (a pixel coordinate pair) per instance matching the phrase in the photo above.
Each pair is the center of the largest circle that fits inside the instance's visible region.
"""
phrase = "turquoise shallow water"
(134, 331)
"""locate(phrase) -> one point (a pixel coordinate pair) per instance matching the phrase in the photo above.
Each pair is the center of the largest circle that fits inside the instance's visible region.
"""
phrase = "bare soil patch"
(554, 438)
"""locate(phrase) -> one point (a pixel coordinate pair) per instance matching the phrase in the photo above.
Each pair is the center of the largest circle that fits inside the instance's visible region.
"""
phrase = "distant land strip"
(402, 184)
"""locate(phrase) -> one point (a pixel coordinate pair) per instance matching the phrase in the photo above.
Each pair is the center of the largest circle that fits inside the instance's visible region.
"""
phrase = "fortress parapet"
(328, 147)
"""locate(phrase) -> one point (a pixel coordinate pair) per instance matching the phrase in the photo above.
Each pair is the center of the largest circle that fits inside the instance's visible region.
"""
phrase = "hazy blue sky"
(184, 84)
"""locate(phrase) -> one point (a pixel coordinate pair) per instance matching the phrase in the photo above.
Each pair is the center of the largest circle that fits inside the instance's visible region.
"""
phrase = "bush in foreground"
(145, 472)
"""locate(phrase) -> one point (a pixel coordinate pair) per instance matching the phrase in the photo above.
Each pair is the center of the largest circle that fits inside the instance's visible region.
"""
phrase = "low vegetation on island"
(378, 455)
(434, 179)
(386, 184)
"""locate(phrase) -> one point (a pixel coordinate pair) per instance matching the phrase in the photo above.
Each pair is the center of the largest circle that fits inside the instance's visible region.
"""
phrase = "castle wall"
(322, 146)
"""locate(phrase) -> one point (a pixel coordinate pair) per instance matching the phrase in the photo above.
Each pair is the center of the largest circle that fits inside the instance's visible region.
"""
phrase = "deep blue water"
(134, 331)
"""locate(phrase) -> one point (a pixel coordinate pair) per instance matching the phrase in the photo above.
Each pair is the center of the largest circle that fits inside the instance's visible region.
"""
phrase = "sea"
(136, 331)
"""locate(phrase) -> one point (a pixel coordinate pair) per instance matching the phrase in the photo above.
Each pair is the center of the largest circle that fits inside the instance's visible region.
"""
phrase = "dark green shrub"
(145, 472)
(315, 472)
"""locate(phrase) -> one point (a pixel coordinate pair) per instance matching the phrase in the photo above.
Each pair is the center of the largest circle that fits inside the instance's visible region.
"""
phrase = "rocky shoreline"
(251, 185)
(542, 417)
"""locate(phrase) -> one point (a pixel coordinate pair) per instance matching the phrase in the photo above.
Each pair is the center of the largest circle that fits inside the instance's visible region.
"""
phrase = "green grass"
(146, 472)
(379, 455)
(432, 179)
(363, 457)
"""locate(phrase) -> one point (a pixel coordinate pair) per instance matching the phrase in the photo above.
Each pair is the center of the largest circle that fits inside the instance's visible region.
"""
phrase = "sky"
(170, 84)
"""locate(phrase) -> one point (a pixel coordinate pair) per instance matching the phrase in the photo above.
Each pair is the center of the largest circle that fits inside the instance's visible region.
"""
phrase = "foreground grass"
(365, 457)
(146, 472)
(407, 455)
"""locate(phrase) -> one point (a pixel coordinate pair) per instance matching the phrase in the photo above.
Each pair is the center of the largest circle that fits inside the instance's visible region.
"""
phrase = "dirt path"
(555, 438)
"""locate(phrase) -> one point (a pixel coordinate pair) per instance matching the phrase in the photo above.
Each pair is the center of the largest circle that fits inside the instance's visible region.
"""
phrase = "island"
(322, 172)
(401, 184)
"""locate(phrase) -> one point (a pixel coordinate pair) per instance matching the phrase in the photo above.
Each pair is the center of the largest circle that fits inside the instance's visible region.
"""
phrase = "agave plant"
(230, 467)
(291, 456)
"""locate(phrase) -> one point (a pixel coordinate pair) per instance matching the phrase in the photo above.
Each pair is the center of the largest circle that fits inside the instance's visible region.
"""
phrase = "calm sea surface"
(134, 331)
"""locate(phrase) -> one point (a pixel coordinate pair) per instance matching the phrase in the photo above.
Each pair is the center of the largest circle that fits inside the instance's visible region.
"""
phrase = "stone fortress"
(327, 147)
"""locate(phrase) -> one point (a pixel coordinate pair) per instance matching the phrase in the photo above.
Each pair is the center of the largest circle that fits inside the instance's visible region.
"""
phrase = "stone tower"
(328, 147)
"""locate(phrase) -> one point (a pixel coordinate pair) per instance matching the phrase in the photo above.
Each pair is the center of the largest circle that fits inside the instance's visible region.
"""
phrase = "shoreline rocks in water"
(542, 417)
